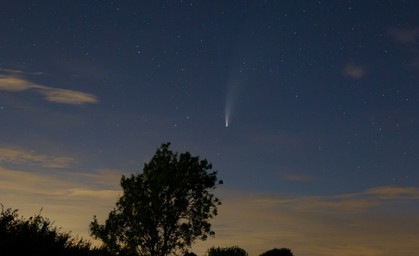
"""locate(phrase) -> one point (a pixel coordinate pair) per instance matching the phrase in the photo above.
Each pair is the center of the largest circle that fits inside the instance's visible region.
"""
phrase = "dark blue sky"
(321, 96)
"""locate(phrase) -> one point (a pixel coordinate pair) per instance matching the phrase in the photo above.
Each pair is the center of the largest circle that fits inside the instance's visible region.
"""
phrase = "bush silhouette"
(37, 236)
(226, 251)
(278, 252)
(188, 253)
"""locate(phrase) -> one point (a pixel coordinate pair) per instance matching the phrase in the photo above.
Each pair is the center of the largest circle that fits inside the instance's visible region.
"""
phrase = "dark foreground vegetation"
(161, 212)
(163, 209)
(38, 236)
(237, 251)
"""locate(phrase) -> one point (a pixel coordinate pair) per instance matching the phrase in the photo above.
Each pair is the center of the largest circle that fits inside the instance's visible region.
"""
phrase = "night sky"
(309, 110)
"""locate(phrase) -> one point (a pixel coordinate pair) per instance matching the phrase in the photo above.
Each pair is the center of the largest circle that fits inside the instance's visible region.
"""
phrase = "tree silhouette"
(188, 253)
(226, 251)
(278, 252)
(37, 236)
(164, 209)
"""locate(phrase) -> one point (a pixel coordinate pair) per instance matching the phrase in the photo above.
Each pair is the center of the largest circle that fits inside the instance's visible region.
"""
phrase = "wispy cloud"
(345, 202)
(16, 182)
(408, 37)
(21, 157)
(67, 96)
(105, 177)
(12, 83)
(20, 72)
(55, 186)
(394, 193)
(333, 203)
(404, 35)
(354, 71)
(69, 198)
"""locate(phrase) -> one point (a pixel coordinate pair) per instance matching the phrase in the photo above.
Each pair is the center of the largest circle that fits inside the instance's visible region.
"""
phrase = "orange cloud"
(409, 37)
(11, 83)
(354, 71)
(69, 198)
(23, 157)
(318, 203)
(405, 35)
(13, 71)
(392, 192)
(67, 96)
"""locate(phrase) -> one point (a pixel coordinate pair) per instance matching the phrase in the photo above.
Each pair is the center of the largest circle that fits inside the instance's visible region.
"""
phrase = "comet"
(227, 112)
(232, 94)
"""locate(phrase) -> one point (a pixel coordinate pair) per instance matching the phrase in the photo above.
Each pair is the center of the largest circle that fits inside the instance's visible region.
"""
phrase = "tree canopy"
(278, 252)
(163, 209)
(226, 251)
(38, 236)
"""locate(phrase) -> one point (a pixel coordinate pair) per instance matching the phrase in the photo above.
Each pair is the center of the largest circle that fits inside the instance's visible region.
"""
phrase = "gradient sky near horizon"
(321, 152)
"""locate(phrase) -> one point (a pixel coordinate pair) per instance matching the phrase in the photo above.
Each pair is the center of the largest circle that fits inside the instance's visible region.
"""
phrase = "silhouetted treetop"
(164, 208)
(37, 236)
(226, 251)
(278, 252)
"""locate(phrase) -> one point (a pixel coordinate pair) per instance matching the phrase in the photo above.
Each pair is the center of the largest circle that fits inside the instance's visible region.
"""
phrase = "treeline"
(237, 251)
(37, 236)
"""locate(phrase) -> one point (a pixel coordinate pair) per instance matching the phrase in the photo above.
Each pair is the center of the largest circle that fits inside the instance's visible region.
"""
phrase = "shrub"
(38, 236)
(226, 251)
